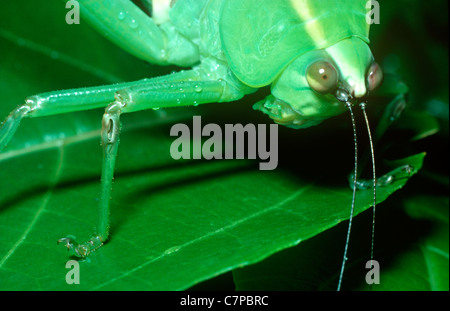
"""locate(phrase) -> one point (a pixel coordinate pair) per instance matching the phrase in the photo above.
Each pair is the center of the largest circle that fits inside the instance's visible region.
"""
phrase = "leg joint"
(111, 123)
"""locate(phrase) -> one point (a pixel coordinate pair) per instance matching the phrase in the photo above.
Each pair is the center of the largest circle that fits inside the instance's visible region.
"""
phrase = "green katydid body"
(254, 43)
(314, 54)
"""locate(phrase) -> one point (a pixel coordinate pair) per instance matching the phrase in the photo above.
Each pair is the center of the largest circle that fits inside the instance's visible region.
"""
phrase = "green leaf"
(173, 223)
(411, 246)
(305, 267)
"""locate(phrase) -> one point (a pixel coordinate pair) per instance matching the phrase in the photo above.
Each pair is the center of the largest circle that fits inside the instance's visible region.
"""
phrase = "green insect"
(315, 67)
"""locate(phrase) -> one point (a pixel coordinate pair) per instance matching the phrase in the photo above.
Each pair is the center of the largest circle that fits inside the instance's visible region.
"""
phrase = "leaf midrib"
(208, 235)
(80, 137)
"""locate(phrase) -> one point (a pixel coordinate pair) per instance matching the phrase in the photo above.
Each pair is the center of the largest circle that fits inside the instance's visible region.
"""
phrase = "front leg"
(176, 90)
(58, 102)
(110, 143)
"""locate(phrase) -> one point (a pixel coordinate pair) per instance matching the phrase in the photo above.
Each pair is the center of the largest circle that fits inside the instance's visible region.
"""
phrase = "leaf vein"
(208, 235)
(38, 213)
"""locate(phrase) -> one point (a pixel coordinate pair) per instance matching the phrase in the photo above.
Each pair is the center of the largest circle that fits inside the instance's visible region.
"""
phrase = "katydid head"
(313, 87)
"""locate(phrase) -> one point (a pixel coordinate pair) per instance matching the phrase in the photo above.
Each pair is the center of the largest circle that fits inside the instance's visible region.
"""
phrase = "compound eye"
(322, 77)
(374, 76)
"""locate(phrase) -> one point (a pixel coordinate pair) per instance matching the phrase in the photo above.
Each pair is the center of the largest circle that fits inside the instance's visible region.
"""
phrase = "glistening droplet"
(121, 15)
(133, 24)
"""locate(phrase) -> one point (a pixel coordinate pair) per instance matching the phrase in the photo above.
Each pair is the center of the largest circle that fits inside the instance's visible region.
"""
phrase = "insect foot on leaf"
(84, 249)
